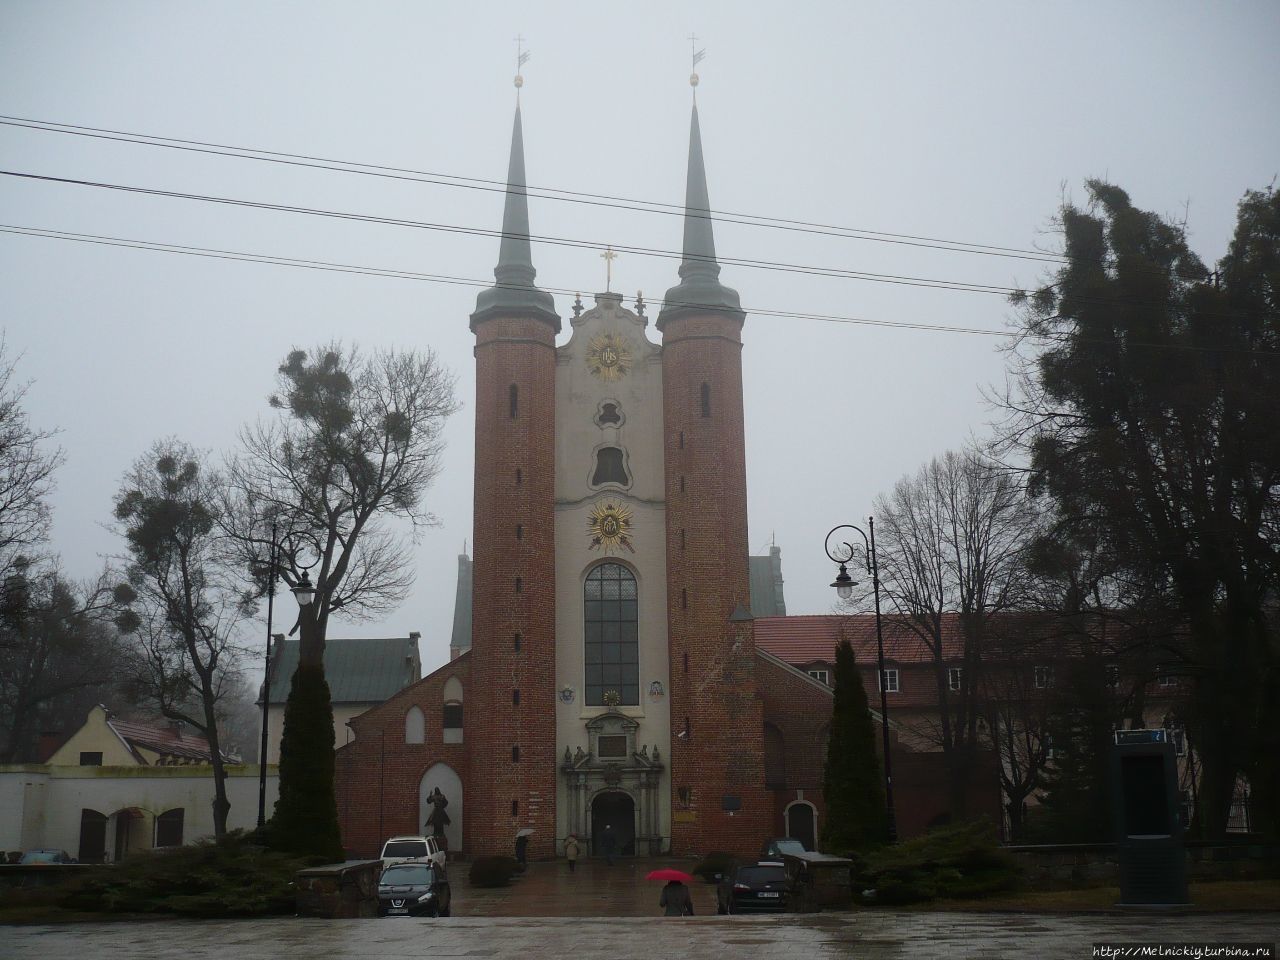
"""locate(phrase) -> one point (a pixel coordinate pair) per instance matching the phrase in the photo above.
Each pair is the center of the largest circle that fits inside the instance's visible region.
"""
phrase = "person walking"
(676, 900)
(608, 843)
(571, 850)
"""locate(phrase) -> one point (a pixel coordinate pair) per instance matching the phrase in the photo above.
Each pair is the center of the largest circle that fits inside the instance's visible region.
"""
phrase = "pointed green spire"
(699, 289)
(513, 293)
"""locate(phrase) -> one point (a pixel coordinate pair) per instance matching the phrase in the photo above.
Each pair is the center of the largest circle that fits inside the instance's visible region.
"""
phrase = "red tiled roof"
(811, 639)
(162, 740)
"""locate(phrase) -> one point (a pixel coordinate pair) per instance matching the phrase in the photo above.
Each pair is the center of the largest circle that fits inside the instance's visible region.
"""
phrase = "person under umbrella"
(676, 900)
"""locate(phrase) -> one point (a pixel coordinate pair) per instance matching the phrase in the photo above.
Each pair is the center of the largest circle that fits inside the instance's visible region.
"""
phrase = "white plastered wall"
(579, 394)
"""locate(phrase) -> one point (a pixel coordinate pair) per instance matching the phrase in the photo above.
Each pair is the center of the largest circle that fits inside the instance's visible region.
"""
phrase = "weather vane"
(696, 56)
(522, 57)
(608, 257)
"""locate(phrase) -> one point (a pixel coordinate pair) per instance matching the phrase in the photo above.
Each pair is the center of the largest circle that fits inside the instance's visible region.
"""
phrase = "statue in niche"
(437, 819)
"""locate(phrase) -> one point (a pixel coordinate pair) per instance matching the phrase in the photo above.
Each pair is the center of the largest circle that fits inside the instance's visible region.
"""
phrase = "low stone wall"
(347, 890)
(1084, 863)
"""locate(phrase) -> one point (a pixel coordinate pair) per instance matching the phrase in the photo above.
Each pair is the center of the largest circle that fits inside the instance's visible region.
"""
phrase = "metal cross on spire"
(522, 57)
(608, 257)
(695, 55)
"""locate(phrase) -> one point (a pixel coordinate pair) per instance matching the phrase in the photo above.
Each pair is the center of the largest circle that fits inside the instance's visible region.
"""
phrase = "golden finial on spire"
(696, 56)
(522, 57)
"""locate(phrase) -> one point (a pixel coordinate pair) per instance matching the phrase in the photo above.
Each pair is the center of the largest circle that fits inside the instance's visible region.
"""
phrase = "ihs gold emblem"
(608, 357)
(610, 526)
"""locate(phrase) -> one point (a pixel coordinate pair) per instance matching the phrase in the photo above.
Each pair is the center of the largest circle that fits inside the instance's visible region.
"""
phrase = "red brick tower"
(717, 753)
(510, 715)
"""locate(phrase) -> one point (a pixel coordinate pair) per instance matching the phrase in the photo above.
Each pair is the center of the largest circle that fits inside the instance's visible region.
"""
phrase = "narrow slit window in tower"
(706, 400)
(682, 484)
(684, 599)
(513, 397)
(515, 698)
(515, 754)
(515, 808)
(519, 585)
(519, 531)
(515, 643)
(519, 477)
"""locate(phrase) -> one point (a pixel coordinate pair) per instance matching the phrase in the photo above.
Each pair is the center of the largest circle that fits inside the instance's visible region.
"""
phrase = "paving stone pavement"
(866, 936)
(611, 913)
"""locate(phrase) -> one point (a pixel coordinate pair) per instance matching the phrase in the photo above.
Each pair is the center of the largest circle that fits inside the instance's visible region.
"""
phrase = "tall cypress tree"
(852, 783)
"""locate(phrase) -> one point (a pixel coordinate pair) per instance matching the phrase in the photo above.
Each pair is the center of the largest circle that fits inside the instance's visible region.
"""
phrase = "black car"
(760, 886)
(414, 890)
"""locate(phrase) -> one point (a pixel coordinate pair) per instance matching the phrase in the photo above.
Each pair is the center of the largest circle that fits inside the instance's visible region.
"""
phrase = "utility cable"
(325, 265)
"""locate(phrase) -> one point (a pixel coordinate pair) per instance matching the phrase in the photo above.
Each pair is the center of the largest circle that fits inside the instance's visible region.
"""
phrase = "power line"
(771, 265)
(546, 193)
(331, 266)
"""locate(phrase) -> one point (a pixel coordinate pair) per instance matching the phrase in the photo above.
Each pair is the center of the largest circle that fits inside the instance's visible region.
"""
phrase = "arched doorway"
(131, 834)
(93, 837)
(446, 779)
(616, 809)
(800, 823)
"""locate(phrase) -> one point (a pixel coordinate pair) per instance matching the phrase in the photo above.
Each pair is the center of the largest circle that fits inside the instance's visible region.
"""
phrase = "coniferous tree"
(853, 786)
(1075, 802)
(1148, 409)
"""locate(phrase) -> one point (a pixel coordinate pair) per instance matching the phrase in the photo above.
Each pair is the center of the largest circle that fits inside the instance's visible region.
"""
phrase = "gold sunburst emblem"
(608, 357)
(610, 526)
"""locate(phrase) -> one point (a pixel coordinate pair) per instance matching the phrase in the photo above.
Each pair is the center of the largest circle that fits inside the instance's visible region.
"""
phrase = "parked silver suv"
(400, 849)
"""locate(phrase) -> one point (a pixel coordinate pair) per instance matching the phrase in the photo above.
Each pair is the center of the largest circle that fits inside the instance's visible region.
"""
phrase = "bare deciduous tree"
(356, 444)
(26, 471)
(58, 654)
(951, 543)
(189, 605)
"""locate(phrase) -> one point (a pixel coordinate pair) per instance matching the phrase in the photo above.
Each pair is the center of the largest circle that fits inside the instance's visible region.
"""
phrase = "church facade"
(612, 682)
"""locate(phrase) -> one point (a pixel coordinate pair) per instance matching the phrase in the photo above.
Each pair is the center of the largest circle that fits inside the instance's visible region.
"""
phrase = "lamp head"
(844, 583)
(304, 591)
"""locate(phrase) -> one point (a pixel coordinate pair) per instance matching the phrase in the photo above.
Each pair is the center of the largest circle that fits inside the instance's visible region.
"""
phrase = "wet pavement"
(611, 913)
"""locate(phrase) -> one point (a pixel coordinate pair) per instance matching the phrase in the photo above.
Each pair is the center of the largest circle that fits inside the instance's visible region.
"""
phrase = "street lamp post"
(266, 684)
(844, 585)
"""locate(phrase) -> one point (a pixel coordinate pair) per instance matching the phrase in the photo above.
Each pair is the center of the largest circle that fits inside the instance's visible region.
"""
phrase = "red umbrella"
(669, 874)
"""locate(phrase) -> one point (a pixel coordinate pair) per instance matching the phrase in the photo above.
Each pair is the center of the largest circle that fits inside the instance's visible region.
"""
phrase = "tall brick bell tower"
(717, 753)
(510, 723)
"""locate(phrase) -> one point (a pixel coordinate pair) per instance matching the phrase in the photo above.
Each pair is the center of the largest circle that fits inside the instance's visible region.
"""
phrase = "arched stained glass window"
(612, 648)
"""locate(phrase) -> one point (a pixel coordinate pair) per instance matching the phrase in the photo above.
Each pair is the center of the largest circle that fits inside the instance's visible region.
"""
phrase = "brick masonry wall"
(513, 589)
(712, 660)
(378, 775)
(800, 711)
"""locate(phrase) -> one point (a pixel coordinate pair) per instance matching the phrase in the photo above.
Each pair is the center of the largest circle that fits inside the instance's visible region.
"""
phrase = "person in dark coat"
(522, 849)
(676, 900)
(608, 843)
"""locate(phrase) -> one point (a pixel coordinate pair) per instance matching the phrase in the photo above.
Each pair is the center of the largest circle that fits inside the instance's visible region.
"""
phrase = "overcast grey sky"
(961, 121)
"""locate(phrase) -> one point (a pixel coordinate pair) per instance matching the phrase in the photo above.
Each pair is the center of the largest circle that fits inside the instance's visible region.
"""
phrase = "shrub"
(952, 862)
(493, 871)
(233, 877)
(715, 862)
